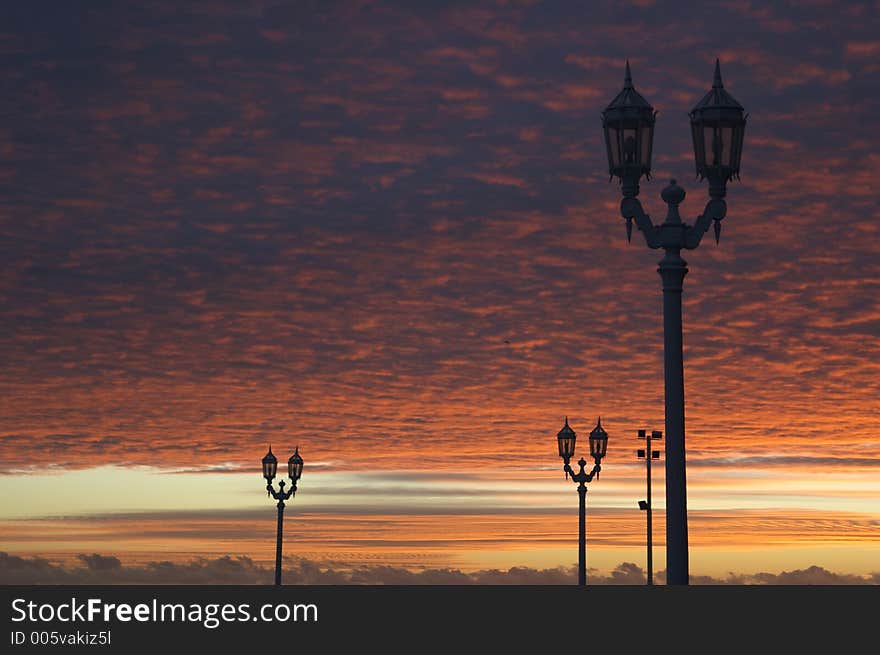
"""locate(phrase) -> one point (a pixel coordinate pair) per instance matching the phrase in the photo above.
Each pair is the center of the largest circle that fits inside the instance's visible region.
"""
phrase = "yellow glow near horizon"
(109, 489)
(461, 519)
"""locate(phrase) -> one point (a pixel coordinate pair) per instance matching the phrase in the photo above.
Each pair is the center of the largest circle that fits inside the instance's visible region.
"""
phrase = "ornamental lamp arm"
(631, 208)
(582, 476)
(715, 210)
(588, 477)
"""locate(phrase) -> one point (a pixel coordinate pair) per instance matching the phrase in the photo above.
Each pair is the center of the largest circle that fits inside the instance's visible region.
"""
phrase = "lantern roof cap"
(296, 456)
(718, 96)
(270, 456)
(629, 98)
(599, 431)
(566, 430)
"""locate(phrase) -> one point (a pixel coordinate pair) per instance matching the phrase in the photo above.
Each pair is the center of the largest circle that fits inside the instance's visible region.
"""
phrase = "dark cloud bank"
(103, 569)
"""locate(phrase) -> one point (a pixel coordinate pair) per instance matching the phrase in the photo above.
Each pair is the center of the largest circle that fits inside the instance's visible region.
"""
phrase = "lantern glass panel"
(294, 467)
(737, 145)
(709, 145)
(698, 145)
(726, 142)
(630, 146)
(646, 146)
(614, 146)
(566, 446)
(269, 469)
(597, 446)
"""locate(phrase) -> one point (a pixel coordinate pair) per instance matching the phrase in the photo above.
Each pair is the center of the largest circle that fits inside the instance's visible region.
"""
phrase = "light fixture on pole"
(566, 440)
(648, 454)
(294, 471)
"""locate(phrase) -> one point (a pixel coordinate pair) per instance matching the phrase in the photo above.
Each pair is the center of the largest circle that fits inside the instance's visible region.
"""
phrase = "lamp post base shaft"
(278, 543)
(672, 270)
(648, 453)
(582, 536)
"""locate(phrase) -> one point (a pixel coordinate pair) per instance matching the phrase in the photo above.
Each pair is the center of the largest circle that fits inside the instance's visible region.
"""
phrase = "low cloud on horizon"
(106, 570)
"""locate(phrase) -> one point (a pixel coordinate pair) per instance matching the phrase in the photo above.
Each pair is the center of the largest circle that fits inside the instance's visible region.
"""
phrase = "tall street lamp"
(717, 125)
(648, 454)
(566, 439)
(294, 471)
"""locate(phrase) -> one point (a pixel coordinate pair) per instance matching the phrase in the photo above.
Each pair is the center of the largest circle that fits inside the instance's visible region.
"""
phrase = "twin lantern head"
(567, 439)
(294, 466)
(717, 126)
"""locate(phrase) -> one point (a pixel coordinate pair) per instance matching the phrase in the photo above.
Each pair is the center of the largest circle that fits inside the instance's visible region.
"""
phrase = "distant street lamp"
(566, 439)
(294, 471)
(717, 126)
(648, 454)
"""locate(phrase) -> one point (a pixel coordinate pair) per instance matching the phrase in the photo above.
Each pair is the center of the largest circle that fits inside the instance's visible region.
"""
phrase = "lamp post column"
(649, 536)
(672, 270)
(278, 543)
(582, 535)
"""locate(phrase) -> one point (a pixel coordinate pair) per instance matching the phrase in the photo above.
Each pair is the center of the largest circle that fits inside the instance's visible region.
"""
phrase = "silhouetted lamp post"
(566, 439)
(647, 453)
(717, 125)
(294, 471)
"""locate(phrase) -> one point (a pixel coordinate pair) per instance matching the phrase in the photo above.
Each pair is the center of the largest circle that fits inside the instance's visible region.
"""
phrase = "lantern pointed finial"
(566, 421)
(716, 82)
(627, 78)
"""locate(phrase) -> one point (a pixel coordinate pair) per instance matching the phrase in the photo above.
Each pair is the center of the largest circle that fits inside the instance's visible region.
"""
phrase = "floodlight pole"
(649, 454)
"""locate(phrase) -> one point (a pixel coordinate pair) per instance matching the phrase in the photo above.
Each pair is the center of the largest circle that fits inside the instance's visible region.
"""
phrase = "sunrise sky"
(384, 232)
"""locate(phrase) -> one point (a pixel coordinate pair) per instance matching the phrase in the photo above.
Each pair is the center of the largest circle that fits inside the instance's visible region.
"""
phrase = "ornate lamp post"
(294, 471)
(717, 126)
(566, 439)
